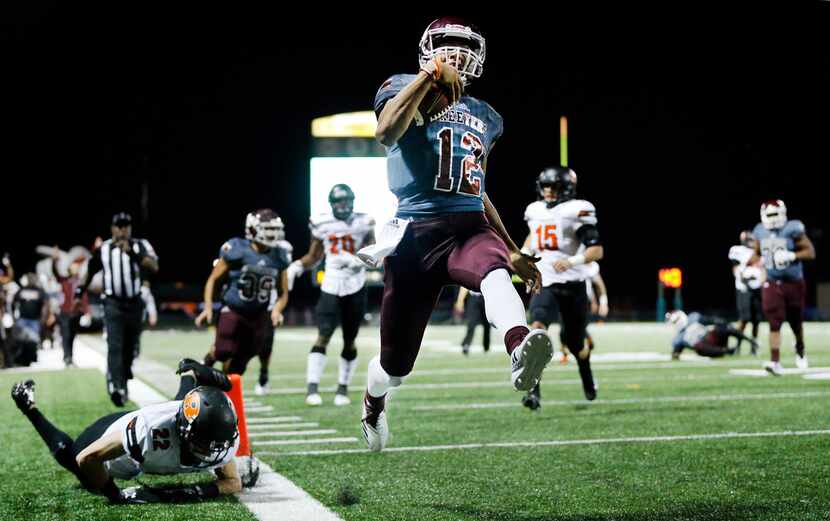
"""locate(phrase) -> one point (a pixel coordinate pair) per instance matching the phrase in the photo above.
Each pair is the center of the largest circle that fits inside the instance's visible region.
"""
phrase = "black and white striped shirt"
(122, 275)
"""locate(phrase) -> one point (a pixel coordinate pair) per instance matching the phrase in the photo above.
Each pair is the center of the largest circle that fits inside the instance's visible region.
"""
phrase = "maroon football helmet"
(459, 41)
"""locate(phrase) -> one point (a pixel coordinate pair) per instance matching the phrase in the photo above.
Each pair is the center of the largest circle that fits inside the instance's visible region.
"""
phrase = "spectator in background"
(6, 277)
(31, 307)
(474, 316)
(69, 315)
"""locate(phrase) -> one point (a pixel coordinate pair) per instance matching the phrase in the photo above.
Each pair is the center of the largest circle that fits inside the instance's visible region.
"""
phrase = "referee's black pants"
(123, 322)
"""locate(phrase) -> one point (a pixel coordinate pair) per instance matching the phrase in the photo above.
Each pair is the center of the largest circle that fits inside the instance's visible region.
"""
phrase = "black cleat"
(533, 399)
(590, 394)
(205, 375)
(118, 397)
(23, 394)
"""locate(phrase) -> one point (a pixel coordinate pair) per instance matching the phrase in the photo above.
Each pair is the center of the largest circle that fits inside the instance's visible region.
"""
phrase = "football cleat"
(205, 375)
(23, 394)
(529, 359)
(375, 428)
(341, 399)
(314, 399)
(532, 400)
(465, 349)
(801, 362)
(260, 390)
(774, 368)
(118, 397)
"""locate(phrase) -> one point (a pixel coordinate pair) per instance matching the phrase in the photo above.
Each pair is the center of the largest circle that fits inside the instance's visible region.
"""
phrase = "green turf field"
(665, 440)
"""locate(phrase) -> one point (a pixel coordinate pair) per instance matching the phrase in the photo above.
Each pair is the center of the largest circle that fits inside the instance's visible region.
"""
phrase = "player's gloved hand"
(525, 268)
(295, 269)
(137, 496)
(446, 75)
(783, 258)
(354, 264)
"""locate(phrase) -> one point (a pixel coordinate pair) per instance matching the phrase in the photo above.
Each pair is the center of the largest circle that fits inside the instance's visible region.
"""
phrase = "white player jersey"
(746, 276)
(553, 237)
(345, 274)
(152, 444)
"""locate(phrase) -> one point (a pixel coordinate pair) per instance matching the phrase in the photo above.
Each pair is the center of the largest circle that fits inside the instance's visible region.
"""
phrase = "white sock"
(347, 368)
(379, 381)
(314, 369)
(502, 304)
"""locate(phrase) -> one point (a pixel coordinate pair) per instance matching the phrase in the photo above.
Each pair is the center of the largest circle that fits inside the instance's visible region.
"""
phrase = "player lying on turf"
(707, 336)
(195, 432)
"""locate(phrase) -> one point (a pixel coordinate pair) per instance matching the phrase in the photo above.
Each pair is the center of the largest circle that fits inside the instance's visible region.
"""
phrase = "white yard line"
(263, 408)
(785, 371)
(274, 434)
(312, 441)
(560, 443)
(628, 401)
(264, 426)
(817, 376)
(274, 419)
(505, 383)
(274, 498)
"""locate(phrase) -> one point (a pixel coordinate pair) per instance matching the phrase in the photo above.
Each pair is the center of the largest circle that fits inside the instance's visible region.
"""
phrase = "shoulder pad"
(580, 210)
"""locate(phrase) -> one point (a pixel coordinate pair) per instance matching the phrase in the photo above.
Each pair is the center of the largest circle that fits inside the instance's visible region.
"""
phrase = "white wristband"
(576, 260)
(603, 300)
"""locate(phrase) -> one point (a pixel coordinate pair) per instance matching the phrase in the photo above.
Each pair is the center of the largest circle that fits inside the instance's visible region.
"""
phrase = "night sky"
(682, 123)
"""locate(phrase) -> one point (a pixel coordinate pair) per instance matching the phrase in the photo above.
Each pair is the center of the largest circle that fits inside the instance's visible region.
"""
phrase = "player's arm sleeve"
(388, 90)
(230, 252)
(315, 229)
(135, 438)
(798, 229)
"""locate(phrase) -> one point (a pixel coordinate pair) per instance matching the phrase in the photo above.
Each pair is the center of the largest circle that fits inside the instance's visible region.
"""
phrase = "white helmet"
(677, 318)
(453, 37)
(265, 227)
(774, 214)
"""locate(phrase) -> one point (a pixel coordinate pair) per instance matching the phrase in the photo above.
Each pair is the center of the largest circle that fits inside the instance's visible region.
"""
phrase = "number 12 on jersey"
(469, 182)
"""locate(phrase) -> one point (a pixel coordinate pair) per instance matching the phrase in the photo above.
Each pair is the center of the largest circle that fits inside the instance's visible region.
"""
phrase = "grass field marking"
(311, 441)
(817, 376)
(561, 443)
(262, 408)
(274, 419)
(506, 383)
(552, 368)
(274, 498)
(792, 371)
(264, 426)
(276, 434)
(630, 401)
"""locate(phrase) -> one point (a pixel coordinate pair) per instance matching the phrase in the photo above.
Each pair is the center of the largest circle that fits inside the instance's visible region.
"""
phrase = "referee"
(124, 261)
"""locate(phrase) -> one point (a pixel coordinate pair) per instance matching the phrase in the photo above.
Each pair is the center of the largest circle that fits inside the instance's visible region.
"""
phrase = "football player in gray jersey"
(782, 245)
(197, 431)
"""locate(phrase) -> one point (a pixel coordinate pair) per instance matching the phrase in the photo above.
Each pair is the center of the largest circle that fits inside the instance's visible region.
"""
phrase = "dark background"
(683, 120)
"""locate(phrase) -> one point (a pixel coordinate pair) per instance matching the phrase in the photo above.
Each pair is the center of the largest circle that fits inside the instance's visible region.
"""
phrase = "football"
(435, 104)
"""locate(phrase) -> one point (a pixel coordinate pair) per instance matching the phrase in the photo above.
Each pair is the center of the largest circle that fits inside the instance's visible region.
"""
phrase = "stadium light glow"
(671, 277)
(349, 124)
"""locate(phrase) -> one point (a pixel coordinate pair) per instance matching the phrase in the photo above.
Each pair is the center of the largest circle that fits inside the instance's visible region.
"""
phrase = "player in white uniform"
(560, 226)
(337, 236)
(749, 277)
(195, 432)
